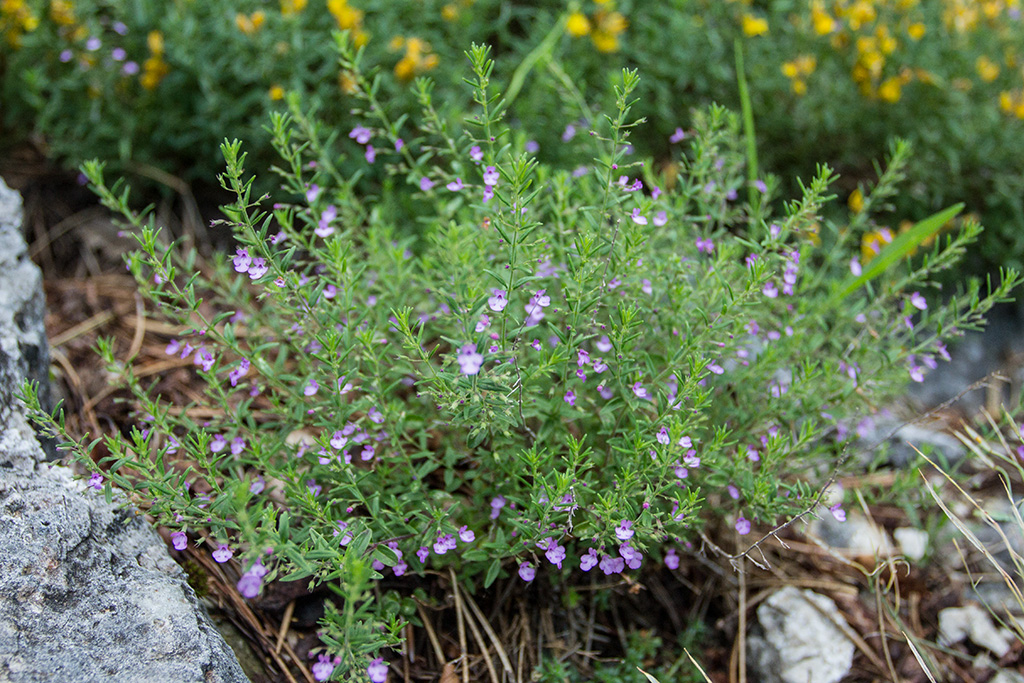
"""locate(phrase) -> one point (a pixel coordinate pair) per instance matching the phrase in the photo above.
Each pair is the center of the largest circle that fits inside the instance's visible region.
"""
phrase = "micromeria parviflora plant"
(505, 369)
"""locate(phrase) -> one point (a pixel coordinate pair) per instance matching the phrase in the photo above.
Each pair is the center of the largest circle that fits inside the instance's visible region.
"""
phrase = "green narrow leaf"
(748, 120)
(899, 249)
(492, 573)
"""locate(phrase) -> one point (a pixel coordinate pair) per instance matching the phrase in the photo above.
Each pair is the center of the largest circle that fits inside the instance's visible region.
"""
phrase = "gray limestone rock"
(87, 589)
(796, 639)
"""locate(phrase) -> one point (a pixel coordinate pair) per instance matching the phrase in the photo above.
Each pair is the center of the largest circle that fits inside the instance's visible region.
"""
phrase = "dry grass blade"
(917, 656)
(970, 535)
(694, 662)
(651, 678)
(459, 617)
(438, 650)
(502, 655)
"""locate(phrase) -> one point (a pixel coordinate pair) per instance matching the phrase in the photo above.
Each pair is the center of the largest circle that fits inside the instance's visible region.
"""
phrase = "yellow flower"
(799, 86)
(754, 26)
(890, 90)
(405, 69)
(153, 71)
(276, 92)
(360, 38)
(250, 24)
(856, 201)
(155, 42)
(871, 243)
(987, 69)
(449, 12)
(347, 83)
(348, 18)
(860, 13)
(429, 62)
(916, 31)
(62, 12)
(577, 25)
(396, 43)
(1006, 101)
(821, 20)
(604, 41)
(789, 70)
(292, 7)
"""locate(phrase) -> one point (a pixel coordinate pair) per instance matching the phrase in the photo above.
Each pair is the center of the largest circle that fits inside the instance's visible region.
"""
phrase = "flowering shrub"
(163, 83)
(559, 370)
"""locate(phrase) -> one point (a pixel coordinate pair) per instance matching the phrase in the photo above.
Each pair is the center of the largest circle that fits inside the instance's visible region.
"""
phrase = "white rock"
(974, 623)
(856, 537)
(797, 639)
(913, 542)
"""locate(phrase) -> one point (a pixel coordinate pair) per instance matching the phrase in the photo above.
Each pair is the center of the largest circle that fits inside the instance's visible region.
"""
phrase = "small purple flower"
(770, 290)
(743, 526)
(323, 668)
(179, 539)
(496, 504)
(855, 267)
(311, 388)
(640, 392)
(237, 445)
(838, 512)
(555, 553)
(455, 185)
(469, 360)
(637, 218)
(671, 559)
(361, 134)
(426, 183)
(314, 488)
(119, 28)
(476, 154)
(66, 56)
(663, 436)
(312, 193)
(218, 443)
(377, 671)
(96, 481)
(527, 572)
(570, 397)
(466, 534)
(531, 146)
(258, 268)
(624, 531)
(118, 54)
(612, 565)
(223, 554)
(678, 136)
(242, 260)
(93, 44)
(918, 301)
(916, 373)
(249, 585)
(371, 154)
(498, 301)
(705, 245)
(569, 133)
(257, 486)
(588, 561)
(130, 68)
(491, 176)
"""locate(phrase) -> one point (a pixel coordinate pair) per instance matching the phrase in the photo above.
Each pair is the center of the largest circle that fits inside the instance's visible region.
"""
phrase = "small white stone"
(913, 542)
(974, 623)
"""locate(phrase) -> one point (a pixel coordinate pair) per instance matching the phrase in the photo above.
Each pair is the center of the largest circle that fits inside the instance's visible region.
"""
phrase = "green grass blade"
(899, 249)
(748, 121)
